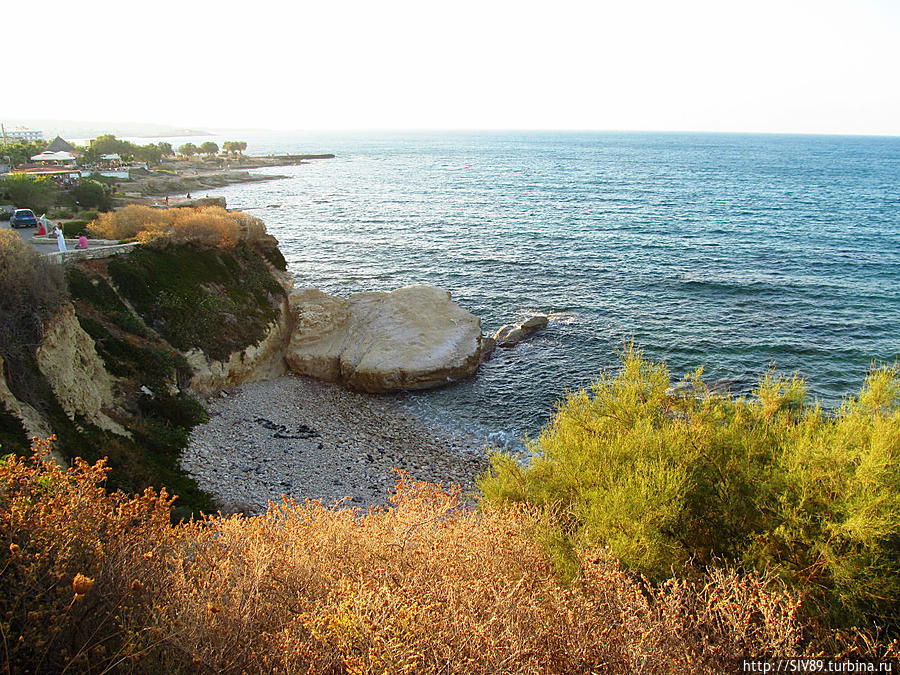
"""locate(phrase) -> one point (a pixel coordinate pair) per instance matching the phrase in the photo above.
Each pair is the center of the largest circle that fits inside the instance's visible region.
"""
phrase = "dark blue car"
(23, 218)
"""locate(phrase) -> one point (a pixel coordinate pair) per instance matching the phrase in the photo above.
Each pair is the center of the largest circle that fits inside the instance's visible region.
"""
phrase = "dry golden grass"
(207, 225)
(94, 581)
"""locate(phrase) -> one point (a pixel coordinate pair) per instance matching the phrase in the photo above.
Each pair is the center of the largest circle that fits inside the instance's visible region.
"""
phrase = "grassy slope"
(218, 300)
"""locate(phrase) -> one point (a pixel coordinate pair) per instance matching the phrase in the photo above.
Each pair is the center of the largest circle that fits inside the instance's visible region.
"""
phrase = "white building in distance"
(24, 134)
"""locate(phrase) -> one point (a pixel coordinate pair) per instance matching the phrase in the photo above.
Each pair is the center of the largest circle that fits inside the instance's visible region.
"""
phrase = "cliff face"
(261, 361)
(185, 319)
(114, 372)
(116, 369)
(76, 373)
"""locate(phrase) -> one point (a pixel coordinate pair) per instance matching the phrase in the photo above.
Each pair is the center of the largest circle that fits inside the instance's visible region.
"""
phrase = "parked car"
(23, 218)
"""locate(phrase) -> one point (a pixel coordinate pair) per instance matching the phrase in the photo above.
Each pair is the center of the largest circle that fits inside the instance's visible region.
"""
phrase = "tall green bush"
(92, 194)
(28, 192)
(669, 477)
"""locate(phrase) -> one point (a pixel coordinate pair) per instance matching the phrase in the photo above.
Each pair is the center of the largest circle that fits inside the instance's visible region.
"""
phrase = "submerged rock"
(513, 333)
(488, 344)
(411, 338)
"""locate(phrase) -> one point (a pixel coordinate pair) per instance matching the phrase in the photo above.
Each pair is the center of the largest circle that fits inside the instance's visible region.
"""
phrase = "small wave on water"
(563, 318)
(724, 251)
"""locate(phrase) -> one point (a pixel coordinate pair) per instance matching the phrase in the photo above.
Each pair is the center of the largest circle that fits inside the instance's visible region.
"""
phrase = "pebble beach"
(307, 439)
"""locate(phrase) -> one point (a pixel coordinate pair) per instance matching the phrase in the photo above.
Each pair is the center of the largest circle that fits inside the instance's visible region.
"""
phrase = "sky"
(779, 66)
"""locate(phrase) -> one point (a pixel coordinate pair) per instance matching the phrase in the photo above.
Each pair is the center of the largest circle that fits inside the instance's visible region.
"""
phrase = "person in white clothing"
(60, 239)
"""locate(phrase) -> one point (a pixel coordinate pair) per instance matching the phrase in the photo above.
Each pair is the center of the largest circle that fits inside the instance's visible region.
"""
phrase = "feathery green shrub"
(667, 477)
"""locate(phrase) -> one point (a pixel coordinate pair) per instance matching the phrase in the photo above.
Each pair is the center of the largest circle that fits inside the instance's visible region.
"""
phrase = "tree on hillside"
(108, 144)
(25, 192)
(234, 147)
(20, 153)
(188, 150)
(209, 148)
(165, 149)
(149, 153)
(90, 194)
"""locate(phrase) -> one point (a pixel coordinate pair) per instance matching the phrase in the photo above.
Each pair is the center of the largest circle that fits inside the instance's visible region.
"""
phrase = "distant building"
(62, 176)
(60, 145)
(61, 157)
(25, 134)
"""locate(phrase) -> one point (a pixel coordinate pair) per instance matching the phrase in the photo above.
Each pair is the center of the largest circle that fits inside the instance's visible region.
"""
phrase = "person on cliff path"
(60, 239)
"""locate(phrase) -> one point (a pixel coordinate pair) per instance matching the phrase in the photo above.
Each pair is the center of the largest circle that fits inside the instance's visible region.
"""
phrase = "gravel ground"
(309, 439)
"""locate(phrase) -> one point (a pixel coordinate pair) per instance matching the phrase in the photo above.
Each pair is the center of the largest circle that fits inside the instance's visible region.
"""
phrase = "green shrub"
(271, 252)
(28, 192)
(95, 291)
(146, 364)
(181, 411)
(93, 194)
(75, 228)
(665, 477)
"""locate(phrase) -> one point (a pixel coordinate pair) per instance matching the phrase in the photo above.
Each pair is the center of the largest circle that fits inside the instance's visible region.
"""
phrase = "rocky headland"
(149, 328)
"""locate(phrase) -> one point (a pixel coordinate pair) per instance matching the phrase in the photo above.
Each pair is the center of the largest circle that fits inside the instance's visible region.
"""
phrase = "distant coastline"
(81, 130)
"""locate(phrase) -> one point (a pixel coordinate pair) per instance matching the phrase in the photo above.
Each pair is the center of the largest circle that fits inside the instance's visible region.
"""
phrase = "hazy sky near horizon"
(807, 66)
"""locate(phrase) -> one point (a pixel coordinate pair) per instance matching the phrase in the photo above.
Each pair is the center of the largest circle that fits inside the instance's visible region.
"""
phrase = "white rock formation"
(411, 338)
(513, 333)
(68, 360)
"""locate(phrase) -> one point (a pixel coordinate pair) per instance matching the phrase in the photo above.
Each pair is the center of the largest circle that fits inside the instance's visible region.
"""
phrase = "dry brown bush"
(427, 585)
(66, 543)
(128, 222)
(208, 225)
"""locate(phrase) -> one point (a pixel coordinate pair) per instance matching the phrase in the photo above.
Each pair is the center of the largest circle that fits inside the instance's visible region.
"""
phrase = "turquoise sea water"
(733, 252)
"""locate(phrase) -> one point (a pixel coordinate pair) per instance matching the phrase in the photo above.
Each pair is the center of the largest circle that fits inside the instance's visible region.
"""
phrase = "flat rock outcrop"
(411, 338)
(513, 333)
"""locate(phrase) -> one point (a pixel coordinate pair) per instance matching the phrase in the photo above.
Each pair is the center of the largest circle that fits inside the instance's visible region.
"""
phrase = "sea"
(739, 253)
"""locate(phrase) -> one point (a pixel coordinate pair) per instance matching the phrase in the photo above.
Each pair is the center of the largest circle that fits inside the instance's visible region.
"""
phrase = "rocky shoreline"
(308, 439)
(160, 186)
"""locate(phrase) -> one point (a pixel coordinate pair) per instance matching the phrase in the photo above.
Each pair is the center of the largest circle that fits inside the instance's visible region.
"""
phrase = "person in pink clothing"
(82, 242)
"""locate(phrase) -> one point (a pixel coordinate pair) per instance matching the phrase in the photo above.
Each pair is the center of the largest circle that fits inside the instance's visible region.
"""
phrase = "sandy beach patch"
(304, 438)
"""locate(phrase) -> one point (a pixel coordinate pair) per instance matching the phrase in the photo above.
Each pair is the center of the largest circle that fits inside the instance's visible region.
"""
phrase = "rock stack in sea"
(411, 338)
